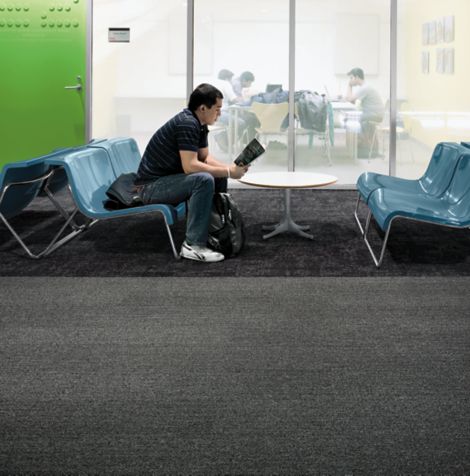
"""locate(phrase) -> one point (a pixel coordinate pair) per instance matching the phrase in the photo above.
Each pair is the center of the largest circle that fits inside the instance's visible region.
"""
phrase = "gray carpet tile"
(234, 375)
(138, 246)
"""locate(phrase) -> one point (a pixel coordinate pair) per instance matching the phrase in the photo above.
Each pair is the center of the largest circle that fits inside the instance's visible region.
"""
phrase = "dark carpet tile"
(138, 246)
(292, 376)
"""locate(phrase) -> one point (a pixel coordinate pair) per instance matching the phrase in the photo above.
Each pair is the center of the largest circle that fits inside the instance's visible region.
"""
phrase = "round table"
(287, 181)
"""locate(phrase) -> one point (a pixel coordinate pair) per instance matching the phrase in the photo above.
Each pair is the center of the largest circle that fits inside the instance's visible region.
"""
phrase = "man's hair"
(225, 74)
(358, 72)
(205, 94)
(247, 76)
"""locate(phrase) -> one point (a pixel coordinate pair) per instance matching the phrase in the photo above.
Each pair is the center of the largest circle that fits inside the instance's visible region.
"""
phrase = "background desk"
(347, 116)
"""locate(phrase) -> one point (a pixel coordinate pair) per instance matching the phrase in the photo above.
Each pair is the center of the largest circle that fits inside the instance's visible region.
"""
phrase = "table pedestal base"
(286, 223)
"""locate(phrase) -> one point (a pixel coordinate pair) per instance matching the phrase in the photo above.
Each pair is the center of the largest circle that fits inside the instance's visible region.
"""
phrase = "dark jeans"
(369, 123)
(198, 189)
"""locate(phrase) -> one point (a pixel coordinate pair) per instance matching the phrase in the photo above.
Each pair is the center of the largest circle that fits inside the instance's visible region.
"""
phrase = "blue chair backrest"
(441, 167)
(90, 174)
(124, 153)
(17, 197)
(460, 192)
(460, 185)
(59, 180)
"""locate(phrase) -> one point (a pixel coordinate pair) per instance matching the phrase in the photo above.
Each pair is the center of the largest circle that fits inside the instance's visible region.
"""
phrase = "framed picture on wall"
(449, 33)
(440, 30)
(432, 32)
(440, 60)
(425, 34)
(425, 62)
(449, 60)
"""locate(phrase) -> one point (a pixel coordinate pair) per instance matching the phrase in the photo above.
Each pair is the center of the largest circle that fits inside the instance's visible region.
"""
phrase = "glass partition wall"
(242, 48)
(138, 85)
(337, 127)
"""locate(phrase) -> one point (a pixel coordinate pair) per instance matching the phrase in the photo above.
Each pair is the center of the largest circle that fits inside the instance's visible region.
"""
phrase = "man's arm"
(349, 94)
(204, 156)
(192, 163)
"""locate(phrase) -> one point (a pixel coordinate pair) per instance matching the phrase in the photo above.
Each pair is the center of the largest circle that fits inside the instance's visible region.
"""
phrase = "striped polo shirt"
(161, 156)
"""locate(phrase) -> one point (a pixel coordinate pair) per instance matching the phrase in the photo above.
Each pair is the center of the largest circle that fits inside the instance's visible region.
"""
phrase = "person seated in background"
(372, 111)
(176, 166)
(245, 80)
(224, 84)
(246, 121)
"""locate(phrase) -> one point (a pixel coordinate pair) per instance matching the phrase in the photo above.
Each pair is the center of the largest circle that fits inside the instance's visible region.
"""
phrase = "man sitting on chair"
(372, 109)
(176, 166)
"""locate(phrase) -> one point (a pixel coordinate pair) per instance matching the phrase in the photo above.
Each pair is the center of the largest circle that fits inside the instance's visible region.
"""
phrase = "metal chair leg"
(18, 239)
(56, 243)
(378, 261)
(371, 147)
(65, 214)
(170, 236)
(356, 216)
(68, 218)
(328, 151)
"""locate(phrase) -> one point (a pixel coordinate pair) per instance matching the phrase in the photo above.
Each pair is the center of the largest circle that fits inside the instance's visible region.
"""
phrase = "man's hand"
(237, 172)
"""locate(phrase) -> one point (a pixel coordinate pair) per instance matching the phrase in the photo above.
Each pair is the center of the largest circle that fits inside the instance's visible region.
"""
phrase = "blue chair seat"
(451, 208)
(96, 210)
(386, 204)
(434, 181)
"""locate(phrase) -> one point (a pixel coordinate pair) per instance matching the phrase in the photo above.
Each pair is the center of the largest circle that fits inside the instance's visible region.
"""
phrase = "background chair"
(382, 134)
(271, 118)
(326, 132)
(218, 136)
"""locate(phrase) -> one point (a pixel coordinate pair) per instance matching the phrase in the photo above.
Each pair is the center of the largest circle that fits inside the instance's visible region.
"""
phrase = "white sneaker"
(200, 253)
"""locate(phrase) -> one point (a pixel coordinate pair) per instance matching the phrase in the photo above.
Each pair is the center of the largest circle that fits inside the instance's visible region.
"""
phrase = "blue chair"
(124, 153)
(20, 184)
(59, 179)
(90, 173)
(125, 158)
(452, 208)
(434, 181)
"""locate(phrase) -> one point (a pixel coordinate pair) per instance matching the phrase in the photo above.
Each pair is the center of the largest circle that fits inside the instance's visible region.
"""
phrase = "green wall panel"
(42, 50)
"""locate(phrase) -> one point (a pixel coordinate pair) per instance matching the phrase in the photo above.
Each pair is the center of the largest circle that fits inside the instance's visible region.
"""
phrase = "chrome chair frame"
(378, 261)
(69, 218)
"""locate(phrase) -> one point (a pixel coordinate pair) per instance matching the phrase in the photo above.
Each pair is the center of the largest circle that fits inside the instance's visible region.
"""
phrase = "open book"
(251, 152)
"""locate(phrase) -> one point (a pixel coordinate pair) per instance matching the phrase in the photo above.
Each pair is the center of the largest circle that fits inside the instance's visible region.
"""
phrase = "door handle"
(77, 87)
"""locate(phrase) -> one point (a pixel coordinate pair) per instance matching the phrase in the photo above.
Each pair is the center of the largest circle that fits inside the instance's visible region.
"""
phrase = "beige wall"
(435, 92)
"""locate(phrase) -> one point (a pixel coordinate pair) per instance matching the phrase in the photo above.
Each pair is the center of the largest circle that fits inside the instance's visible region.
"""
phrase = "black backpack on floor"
(226, 230)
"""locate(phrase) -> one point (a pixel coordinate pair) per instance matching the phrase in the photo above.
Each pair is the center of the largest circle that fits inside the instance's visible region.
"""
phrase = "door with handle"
(44, 94)
(78, 86)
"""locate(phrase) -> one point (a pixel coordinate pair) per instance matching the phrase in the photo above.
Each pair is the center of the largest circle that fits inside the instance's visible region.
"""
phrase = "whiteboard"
(357, 43)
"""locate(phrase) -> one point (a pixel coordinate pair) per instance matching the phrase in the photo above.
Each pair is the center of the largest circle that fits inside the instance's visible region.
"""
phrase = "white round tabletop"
(287, 179)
